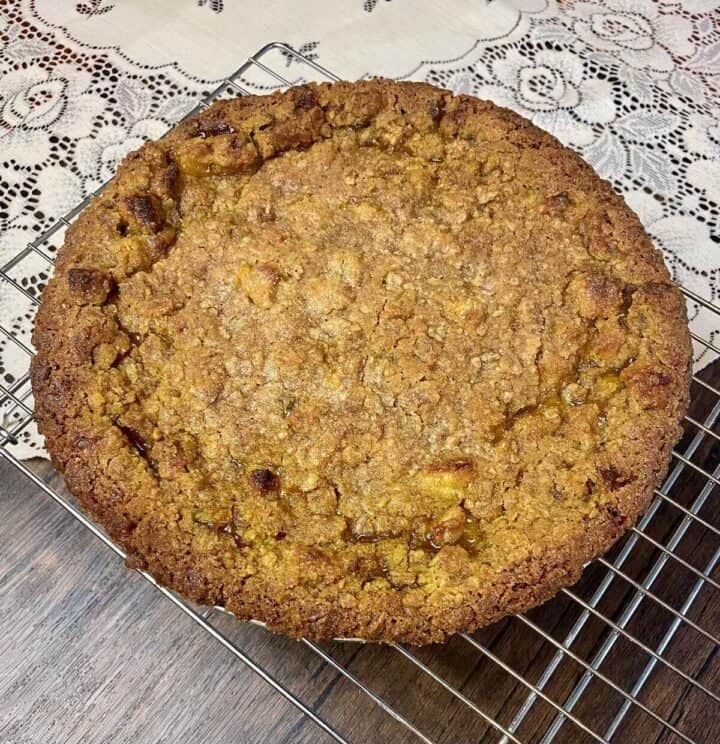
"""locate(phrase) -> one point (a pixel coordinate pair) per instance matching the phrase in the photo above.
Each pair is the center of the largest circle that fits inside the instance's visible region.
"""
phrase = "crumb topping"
(361, 359)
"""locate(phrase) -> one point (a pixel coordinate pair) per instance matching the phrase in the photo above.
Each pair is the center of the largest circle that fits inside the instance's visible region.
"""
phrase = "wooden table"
(90, 652)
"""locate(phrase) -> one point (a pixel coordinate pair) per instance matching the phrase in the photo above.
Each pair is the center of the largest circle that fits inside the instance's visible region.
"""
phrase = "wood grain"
(89, 652)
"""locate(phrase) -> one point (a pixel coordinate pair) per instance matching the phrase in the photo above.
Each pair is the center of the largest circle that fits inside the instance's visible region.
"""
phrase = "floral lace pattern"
(630, 84)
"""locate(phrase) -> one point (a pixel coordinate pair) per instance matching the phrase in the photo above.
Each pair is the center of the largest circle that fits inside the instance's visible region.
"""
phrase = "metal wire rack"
(618, 657)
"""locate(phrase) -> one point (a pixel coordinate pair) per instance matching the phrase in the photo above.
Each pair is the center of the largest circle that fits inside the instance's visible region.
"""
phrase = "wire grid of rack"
(618, 657)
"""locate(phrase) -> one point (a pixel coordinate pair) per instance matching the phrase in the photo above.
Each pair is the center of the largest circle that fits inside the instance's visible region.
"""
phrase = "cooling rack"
(630, 653)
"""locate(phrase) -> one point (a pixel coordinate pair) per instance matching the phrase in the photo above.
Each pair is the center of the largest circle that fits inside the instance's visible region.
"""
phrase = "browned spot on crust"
(264, 481)
(305, 100)
(202, 128)
(559, 202)
(147, 209)
(616, 479)
(89, 285)
(457, 466)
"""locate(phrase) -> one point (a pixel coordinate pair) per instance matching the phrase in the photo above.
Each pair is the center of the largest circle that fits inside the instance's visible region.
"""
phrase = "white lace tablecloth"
(631, 85)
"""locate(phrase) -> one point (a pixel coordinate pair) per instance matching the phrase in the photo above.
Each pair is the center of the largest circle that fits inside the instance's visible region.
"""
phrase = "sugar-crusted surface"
(362, 359)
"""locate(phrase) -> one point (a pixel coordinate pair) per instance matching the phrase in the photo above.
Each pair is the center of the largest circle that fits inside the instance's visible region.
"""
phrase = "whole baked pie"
(362, 359)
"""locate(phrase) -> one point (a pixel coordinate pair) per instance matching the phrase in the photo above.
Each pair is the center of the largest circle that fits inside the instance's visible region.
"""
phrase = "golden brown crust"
(362, 359)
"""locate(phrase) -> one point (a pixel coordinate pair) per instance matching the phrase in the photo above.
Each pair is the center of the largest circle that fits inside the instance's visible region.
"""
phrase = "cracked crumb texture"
(362, 359)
